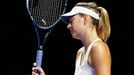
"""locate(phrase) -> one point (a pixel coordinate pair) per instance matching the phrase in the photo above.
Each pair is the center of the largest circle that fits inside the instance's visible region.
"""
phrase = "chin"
(75, 37)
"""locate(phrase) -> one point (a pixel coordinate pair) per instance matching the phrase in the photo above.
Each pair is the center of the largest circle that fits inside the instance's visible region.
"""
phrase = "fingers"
(36, 70)
(34, 73)
(34, 64)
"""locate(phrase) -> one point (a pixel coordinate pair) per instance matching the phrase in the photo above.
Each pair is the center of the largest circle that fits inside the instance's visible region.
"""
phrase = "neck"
(89, 37)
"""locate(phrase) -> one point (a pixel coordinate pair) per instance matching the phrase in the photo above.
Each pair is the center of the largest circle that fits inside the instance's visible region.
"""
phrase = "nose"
(69, 26)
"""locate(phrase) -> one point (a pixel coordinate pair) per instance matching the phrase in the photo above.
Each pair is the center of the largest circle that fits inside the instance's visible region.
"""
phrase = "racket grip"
(39, 58)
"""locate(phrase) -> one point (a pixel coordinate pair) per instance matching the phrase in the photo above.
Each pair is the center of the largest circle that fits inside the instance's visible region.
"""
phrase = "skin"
(35, 69)
(99, 58)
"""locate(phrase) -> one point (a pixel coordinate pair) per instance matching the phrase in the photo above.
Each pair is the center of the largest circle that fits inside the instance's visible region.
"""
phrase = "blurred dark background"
(19, 43)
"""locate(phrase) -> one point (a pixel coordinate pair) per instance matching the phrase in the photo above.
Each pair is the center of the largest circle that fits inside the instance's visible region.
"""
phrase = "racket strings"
(46, 12)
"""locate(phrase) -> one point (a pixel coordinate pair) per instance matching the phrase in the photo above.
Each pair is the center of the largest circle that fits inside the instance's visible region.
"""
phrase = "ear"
(85, 19)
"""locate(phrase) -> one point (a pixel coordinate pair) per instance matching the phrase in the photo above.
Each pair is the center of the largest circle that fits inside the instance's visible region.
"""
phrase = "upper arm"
(101, 59)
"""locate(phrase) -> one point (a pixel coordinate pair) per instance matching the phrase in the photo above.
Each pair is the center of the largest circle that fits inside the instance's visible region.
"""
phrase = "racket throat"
(40, 47)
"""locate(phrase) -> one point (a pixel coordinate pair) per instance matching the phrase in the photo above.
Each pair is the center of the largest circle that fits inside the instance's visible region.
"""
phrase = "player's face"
(76, 24)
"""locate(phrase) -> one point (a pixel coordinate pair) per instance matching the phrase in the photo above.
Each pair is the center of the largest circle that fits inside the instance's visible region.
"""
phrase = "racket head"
(46, 13)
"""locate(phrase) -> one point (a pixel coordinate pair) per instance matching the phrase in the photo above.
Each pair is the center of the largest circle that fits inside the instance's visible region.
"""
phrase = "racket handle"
(39, 58)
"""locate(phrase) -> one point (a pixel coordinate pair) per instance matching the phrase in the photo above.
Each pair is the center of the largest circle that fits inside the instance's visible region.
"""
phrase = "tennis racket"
(44, 15)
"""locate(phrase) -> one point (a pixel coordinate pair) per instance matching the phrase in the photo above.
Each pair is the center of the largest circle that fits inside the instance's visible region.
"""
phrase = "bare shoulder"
(79, 51)
(101, 58)
(100, 52)
(100, 47)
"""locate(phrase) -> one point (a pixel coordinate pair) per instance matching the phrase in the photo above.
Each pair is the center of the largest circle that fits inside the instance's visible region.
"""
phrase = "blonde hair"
(103, 25)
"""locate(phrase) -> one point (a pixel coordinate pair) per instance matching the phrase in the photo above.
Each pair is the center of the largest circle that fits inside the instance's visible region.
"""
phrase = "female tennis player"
(90, 24)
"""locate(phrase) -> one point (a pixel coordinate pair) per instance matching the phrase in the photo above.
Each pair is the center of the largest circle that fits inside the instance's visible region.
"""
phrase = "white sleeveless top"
(85, 68)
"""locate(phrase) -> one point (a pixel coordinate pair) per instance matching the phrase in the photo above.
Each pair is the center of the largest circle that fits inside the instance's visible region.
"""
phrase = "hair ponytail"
(103, 25)
(103, 28)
